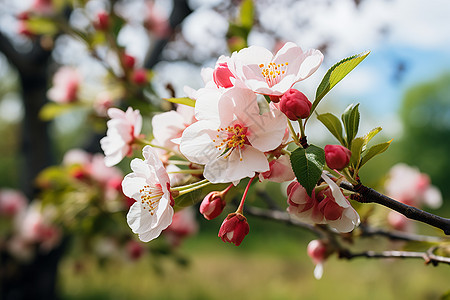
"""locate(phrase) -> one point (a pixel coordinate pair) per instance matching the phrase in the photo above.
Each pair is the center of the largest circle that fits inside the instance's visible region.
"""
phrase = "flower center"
(150, 196)
(273, 73)
(231, 138)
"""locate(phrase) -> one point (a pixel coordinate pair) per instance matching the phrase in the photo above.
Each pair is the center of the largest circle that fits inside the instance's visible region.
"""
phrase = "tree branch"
(282, 217)
(428, 256)
(368, 195)
(368, 231)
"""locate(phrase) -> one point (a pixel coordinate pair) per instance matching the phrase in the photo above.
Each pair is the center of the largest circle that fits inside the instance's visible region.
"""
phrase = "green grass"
(266, 266)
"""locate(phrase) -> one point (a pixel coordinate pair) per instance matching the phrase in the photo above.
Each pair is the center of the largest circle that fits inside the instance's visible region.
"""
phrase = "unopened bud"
(212, 205)
(337, 156)
(102, 21)
(295, 105)
(128, 61)
(140, 76)
(222, 75)
(234, 228)
(317, 251)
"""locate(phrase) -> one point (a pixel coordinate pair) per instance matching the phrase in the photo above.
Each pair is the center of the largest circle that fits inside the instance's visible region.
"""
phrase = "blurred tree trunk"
(36, 279)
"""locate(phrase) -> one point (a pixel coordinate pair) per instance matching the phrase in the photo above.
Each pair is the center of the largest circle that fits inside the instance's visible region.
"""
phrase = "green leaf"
(184, 101)
(51, 110)
(350, 118)
(41, 26)
(333, 124)
(308, 166)
(357, 148)
(335, 74)
(375, 150)
(247, 14)
(370, 135)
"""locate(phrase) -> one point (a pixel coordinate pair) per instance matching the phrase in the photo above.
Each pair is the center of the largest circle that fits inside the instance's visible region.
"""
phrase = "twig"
(428, 256)
(282, 217)
(368, 231)
(368, 195)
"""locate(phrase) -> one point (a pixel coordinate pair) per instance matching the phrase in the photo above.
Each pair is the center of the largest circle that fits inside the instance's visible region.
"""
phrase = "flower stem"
(293, 134)
(194, 188)
(240, 209)
(189, 186)
(302, 128)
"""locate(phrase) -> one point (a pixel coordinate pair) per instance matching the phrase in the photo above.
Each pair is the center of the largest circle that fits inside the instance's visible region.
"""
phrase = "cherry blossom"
(12, 202)
(231, 136)
(407, 185)
(66, 83)
(123, 129)
(35, 227)
(169, 126)
(149, 185)
(326, 207)
(269, 74)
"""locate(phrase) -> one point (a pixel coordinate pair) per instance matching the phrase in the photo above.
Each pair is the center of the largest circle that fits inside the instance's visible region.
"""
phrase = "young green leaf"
(375, 150)
(308, 166)
(370, 135)
(333, 124)
(247, 14)
(357, 148)
(52, 110)
(350, 118)
(39, 25)
(335, 74)
(184, 101)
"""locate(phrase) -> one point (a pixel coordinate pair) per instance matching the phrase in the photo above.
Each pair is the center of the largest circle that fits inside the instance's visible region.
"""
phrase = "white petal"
(318, 271)
(231, 169)
(132, 184)
(336, 191)
(268, 130)
(196, 143)
(313, 59)
(134, 216)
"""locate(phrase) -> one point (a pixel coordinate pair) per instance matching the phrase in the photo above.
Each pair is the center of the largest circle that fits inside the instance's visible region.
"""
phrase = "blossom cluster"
(240, 127)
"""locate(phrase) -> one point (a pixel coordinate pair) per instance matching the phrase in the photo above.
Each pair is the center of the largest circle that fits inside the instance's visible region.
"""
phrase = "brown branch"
(368, 195)
(428, 255)
(283, 217)
(368, 231)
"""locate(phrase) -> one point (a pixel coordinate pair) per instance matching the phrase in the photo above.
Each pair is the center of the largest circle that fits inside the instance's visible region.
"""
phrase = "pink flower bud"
(317, 251)
(222, 76)
(102, 21)
(274, 99)
(212, 205)
(337, 156)
(134, 249)
(128, 61)
(234, 228)
(140, 77)
(295, 105)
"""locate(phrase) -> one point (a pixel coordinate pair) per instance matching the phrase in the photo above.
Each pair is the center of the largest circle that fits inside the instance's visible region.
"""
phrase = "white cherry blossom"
(149, 185)
(123, 129)
(231, 136)
(273, 75)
